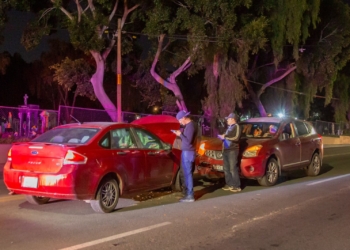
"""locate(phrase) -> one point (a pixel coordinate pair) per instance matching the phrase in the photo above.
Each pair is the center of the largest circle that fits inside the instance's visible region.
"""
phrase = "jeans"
(231, 168)
(187, 161)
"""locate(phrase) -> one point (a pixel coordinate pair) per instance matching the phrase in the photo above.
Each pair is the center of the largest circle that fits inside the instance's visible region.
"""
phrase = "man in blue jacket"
(230, 147)
(188, 147)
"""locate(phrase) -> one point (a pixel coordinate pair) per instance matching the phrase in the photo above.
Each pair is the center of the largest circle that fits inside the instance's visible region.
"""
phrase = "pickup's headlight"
(252, 151)
(201, 149)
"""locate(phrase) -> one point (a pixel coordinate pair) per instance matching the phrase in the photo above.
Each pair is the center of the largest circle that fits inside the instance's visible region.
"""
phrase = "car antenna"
(75, 119)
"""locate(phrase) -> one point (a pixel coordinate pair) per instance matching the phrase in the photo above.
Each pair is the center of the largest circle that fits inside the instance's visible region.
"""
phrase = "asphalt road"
(299, 213)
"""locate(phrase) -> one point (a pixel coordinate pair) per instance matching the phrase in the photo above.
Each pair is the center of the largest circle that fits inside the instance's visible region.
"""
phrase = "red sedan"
(268, 146)
(95, 162)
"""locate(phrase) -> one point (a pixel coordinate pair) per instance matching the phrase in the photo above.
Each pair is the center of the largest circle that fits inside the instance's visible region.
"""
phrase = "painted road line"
(336, 155)
(114, 237)
(329, 179)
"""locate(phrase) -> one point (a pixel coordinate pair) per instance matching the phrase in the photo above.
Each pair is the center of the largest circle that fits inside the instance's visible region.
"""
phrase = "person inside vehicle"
(271, 132)
(257, 132)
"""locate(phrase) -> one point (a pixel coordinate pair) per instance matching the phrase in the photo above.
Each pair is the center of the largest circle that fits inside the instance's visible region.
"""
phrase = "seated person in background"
(272, 131)
(257, 132)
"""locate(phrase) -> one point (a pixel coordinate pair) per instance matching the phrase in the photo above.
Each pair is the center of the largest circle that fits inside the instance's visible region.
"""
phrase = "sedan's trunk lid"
(37, 157)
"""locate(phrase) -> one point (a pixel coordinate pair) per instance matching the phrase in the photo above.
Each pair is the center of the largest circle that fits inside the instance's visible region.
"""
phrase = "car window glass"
(302, 129)
(105, 142)
(310, 128)
(288, 131)
(122, 138)
(148, 140)
(259, 129)
(68, 135)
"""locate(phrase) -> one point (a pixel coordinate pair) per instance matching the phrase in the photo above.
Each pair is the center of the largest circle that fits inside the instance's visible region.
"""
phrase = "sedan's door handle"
(153, 153)
(121, 153)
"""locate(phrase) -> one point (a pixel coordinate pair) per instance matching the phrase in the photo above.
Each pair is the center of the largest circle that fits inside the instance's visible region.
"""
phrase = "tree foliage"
(89, 23)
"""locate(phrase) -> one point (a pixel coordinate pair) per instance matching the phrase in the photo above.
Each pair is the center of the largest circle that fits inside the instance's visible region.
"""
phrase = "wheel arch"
(110, 175)
(274, 156)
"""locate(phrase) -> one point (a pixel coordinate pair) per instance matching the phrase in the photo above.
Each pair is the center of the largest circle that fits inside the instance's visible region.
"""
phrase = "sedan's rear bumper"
(62, 185)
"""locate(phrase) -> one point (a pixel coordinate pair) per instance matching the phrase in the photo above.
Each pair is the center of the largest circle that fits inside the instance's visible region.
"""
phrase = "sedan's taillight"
(9, 155)
(74, 158)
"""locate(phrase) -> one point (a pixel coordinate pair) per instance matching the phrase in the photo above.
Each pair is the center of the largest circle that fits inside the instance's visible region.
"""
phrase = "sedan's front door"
(159, 160)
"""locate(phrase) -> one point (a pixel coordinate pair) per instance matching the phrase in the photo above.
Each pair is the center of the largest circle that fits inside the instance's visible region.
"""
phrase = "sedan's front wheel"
(107, 197)
(271, 175)
(37, 200)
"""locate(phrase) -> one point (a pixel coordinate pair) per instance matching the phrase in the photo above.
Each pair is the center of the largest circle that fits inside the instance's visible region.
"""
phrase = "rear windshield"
(67, 135)
(259, 129)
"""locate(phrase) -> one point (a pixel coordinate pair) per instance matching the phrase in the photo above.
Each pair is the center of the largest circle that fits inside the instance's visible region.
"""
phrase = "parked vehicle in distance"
(95, 162)
(268, 146)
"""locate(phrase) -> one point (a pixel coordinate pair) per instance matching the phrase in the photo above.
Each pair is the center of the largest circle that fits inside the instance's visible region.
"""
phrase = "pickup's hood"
(160, 125)
(216, 144)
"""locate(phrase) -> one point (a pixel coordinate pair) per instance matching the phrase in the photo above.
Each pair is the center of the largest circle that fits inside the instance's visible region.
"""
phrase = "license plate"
(30, 182)
(218, 167)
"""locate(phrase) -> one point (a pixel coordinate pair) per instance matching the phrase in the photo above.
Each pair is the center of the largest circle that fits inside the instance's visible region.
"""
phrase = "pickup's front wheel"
(271, 175)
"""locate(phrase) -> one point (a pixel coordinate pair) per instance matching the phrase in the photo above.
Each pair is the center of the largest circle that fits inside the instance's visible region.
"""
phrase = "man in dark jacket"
(188, 147)
(230, 146)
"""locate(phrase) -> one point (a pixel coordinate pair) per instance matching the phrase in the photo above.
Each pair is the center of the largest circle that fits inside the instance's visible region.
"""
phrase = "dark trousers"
(231, 168)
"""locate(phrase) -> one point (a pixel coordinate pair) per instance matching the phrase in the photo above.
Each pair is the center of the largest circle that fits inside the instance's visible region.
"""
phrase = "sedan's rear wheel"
(271, 175)
(107, 197)
(314, 168)
(37, 200)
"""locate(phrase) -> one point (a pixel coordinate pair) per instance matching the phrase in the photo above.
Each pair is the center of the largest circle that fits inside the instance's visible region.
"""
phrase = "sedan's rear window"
(67, 135)
(259, 129)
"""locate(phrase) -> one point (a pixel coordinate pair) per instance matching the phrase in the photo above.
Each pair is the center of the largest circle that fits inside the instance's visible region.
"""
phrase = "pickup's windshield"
(258, 129)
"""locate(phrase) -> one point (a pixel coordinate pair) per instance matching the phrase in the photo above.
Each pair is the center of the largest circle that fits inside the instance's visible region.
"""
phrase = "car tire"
(314, 168)
(271, 173)
(37, 200)
(177, 185)
(107, 197)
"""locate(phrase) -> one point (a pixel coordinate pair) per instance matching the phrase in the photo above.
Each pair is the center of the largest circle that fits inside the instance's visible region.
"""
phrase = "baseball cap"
(181, 114)
(232, 115)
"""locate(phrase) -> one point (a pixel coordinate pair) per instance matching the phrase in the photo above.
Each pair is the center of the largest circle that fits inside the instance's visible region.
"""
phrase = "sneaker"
(227, 187)
(188, 198)
(235, 189)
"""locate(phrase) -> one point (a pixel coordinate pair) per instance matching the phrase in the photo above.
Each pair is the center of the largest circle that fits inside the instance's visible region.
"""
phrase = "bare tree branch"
(108, 50)
(127, 11)
(157, 77)
(66, 12)
(275, 80)
(92, 8)
(80, 10)
(114, 10)
(184, 66)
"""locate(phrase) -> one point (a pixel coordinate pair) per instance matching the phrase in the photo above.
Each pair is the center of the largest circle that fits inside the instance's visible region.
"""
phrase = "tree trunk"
(255, 98)
(97, 83)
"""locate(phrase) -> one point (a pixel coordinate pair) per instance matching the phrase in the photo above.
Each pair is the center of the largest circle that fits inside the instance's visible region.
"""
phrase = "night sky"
(13, 32)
